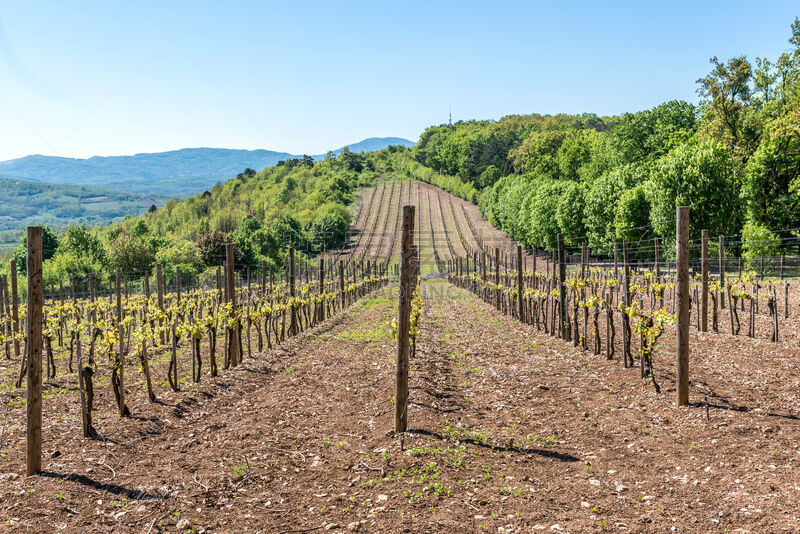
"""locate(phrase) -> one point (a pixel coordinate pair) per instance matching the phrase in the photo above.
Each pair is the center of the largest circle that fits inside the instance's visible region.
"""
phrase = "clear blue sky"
(102, 78)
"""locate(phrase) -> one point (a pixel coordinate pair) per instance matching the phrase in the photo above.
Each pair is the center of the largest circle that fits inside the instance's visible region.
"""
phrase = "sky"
(80, 79)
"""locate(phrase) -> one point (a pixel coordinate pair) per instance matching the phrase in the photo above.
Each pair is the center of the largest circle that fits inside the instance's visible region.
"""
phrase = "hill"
(25, 203)
(373, 144)
(176, 173)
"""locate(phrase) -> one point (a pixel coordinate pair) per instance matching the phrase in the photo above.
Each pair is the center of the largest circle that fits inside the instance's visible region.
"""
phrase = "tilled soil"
(450, 226)
(510, 431)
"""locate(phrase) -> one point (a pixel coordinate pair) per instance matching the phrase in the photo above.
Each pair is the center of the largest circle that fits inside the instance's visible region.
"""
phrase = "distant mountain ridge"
(176, 173)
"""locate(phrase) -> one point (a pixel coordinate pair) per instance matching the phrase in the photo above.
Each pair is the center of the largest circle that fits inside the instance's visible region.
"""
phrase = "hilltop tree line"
(734, 159)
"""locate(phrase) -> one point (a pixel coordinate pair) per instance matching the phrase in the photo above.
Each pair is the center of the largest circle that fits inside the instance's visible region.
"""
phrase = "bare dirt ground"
(457, 224)
(510, 430)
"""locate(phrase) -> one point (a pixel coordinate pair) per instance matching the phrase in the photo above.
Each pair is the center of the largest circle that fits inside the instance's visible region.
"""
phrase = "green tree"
(327, 231)
(490, 176)
(183, 254)
(652, 133)
(131, 255)
(570, 213)
(602, 196)
(771, 183)
(698, 175)
(632, 217)
(49, 249)
(140, 228)
(726, 90)
(757, 242)
(287, 231)
(543, 225)
(211, 246)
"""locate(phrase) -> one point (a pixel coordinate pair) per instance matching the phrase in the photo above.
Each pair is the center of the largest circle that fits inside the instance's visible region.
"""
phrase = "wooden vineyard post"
(722, 268)
(178, 283)
(562, 288)
(497, 277)
(118, 377)
(682, 294)
(15, 307)
(5, 310)
(263, 278)
(293, 316)
(160, 299)
(219, 282)
(341, 283)
(322, 288)
(626, 296)
(230, 282)
(34, 328)
(657, 269)
(704, 270)
(520, 302)
(404, 321)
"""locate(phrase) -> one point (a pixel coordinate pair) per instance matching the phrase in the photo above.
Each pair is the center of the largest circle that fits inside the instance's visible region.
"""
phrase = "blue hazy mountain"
(176, 173)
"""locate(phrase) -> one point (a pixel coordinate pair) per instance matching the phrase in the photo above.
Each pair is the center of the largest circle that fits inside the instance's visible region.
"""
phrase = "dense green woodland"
(734, 159)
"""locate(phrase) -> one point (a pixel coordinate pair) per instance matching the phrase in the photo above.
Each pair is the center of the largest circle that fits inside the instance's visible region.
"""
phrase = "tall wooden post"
(562, 288)
(15, 306)
(34, 327)
(657, 265)
(704, 269)
(722, 269)
(404, 321)
(682, 294)
(5, 310)
(178, 283)
(121, 350)
(293, 314)
(160, 299)
(520, 295)
(230, 281)
(341, 282)
(322, 287)
(497, 276)
(263, 277)
(626, 296)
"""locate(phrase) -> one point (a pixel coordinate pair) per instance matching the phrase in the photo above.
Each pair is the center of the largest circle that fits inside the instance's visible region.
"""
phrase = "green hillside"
(298, 202)
(26, 203)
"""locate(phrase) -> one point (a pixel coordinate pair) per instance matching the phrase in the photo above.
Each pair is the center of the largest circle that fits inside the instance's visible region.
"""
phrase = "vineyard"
(541, 389)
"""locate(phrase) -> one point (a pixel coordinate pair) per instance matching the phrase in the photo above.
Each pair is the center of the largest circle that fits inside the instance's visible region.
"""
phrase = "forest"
(734, 159)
